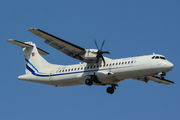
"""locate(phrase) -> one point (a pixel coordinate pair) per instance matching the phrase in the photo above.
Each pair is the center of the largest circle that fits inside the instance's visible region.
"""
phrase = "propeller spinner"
(100, 52)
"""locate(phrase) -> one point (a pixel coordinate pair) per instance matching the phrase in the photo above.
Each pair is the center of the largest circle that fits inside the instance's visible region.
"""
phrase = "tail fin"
(34, 62)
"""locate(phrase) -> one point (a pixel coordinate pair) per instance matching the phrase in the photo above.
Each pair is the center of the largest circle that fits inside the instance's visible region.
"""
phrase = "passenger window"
(128, 62)
(125, 62)
(81, 68)
(113, 64)
(72, 69)
(119, 63)
(100, 65)
(69, 69)
(131, 61)
(116, 63)
(97, 66)
(153, 57)
(157, 57)
(66, 70)
(91, 66)
(88, 67)
(60, 71)
(94, 66)
(107, 65)
(122, 63)
(84, 67)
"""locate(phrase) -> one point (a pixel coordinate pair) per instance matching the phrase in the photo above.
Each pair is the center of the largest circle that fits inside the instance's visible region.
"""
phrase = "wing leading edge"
(60, 44)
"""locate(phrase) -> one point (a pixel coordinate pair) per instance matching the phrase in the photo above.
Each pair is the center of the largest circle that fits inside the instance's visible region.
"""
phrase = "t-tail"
(34, 63)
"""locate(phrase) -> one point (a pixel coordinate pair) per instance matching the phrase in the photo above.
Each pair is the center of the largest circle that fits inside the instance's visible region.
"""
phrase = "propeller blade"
(100, 52)
(103, 44)
(107, 52)
(97, 60)
(103, 60)
(96, 44)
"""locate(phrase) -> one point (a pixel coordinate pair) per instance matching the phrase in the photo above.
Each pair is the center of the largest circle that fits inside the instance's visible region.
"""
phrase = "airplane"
(95, 69)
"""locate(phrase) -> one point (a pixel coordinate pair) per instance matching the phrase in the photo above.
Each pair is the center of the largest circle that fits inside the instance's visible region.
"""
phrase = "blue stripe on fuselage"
(32, 65)
(40, 75)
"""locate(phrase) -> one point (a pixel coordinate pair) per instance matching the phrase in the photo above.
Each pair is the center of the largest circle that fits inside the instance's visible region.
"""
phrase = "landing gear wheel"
(110, 90)
(162, 78)
(88, 82)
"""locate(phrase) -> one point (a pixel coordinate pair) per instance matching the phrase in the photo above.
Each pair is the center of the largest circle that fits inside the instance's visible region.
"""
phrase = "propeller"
(100, 53)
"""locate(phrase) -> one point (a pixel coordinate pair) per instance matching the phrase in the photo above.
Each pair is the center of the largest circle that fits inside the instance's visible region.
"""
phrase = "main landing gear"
(93, 78)
(89, 82)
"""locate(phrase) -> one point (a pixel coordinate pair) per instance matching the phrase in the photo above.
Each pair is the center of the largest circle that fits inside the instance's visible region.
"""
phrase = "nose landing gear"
(161, 75)
(111, 89)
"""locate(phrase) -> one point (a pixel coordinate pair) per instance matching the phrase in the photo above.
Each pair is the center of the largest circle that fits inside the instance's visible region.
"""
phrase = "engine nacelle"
(90, 54)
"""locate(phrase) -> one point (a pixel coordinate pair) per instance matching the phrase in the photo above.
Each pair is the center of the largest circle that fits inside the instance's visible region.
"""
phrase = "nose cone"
(169, 66)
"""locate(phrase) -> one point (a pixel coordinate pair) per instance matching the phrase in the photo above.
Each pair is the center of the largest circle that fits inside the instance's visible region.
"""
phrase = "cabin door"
(51, 75)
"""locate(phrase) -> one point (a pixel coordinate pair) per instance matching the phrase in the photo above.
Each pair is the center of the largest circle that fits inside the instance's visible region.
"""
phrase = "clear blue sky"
(130, 27)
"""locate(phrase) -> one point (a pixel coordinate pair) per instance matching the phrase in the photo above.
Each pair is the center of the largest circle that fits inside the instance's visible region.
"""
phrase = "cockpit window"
(157, 57)
(162, 58)
(153, 57)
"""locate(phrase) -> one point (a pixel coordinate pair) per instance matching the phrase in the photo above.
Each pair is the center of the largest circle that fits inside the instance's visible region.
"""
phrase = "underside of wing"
(85, 55)
(155, 79)
(160, 80)
(60, 44)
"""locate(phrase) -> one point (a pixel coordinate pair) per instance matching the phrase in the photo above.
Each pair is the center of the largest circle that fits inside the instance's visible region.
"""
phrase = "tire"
(88, 82)
(110, 90)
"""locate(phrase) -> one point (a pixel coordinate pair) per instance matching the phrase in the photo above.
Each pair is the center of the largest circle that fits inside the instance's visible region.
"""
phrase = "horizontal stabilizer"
(23, 45)
(157, 79)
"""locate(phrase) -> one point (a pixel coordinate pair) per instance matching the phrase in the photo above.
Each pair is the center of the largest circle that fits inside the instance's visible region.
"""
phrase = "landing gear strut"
(161, 75)
(110, 90)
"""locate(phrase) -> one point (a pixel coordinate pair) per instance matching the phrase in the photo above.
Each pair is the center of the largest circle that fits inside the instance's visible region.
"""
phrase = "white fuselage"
(113, 72)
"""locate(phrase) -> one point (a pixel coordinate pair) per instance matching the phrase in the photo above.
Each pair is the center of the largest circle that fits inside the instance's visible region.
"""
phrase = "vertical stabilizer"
(33, 59)
(34, 62)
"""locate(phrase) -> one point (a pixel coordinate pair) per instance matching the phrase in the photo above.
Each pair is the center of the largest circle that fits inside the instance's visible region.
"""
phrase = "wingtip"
(10, 40)
(32, 29)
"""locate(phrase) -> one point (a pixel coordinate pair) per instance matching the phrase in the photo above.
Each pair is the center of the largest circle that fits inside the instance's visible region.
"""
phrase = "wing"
(155, 79)
(158, 80)
(60, 44)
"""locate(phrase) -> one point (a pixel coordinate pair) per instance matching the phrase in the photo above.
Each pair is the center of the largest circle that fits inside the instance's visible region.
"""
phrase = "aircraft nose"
(169, 65)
